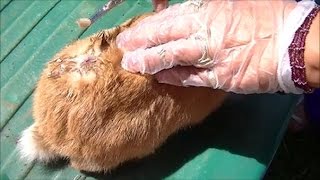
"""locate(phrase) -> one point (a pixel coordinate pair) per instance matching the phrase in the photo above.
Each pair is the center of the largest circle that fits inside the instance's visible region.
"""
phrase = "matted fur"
(91, 111)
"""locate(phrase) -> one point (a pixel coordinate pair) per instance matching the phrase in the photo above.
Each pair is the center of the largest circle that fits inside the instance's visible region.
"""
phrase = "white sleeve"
(291, 25)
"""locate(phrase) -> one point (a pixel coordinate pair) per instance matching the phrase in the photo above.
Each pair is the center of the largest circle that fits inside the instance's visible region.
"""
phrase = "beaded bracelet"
(296, 52)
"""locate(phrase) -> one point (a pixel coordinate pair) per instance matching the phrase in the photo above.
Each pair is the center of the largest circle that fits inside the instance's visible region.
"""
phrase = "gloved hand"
(238, 46)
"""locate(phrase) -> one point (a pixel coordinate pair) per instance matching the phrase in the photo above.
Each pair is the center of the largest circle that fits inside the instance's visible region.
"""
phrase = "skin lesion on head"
(82, 65)
(81, 59)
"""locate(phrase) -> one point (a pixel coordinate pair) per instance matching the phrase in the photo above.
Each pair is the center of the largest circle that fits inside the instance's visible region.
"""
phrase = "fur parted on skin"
(89, 110)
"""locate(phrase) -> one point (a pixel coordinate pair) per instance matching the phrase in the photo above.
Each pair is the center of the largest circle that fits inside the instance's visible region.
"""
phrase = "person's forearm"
(311, 54)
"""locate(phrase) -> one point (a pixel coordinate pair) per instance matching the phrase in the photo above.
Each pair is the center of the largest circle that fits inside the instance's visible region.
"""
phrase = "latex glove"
(231, 45)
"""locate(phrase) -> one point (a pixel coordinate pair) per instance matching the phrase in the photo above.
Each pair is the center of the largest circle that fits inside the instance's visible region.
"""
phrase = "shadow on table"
(249, 126)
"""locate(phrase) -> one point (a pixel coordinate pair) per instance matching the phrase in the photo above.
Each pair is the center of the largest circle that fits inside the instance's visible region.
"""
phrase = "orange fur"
(98, 115)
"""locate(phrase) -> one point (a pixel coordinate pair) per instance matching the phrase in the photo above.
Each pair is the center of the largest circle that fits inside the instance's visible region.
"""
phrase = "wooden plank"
(12, 13)
(13, 31)
(13, 34)
(42, 172)
(4, 4)
(11, 164)
(53, 32)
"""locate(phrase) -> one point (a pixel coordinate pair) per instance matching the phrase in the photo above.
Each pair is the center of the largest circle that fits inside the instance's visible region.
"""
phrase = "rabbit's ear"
(105, 37)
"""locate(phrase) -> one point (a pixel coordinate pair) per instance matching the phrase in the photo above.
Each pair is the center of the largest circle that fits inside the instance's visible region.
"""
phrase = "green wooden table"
(238, 142)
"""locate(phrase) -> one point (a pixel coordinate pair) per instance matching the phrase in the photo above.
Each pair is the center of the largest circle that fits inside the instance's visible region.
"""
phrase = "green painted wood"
(51, 34)
(250, 131)
(41, 172)
(14, 30)
(10, 162)
(117, 16)
(37, 37)
(122, 13)
(4, 177)
(238, 141)
(4, 4)
(206, 165)
(12, 12)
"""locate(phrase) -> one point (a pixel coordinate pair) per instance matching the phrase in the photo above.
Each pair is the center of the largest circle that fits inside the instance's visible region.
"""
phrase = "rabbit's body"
(89, 110)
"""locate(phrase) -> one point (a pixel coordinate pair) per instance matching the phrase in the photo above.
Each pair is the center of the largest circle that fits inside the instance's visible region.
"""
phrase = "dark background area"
(298, 156)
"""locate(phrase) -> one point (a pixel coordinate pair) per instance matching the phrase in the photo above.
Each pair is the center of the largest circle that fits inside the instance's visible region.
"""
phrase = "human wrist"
(297, 52)
(292, 43)
(311, 54)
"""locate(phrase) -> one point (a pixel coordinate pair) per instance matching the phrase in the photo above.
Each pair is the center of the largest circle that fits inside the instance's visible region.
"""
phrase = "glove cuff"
(291, 69)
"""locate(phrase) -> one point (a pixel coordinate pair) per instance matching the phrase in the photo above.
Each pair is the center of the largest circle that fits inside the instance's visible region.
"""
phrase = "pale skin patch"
(75, 77)
(87, 77)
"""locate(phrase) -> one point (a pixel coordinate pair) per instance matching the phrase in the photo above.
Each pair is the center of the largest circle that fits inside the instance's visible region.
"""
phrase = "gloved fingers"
(159, 5)
(170, 11)
(170, 24)
(184, 76)
(158, 32)
(184, 52)
(179, 9)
